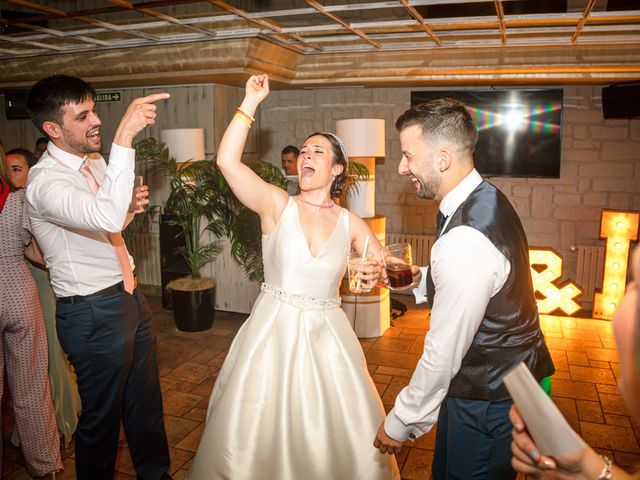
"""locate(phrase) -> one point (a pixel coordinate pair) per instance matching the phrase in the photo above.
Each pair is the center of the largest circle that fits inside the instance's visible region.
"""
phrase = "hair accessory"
(337, 139)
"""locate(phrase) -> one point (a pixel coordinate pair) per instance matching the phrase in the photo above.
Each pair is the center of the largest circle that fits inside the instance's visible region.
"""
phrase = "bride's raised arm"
(265, 199)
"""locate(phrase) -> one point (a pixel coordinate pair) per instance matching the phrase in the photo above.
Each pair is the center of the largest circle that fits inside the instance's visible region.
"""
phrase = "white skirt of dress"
(293, 400)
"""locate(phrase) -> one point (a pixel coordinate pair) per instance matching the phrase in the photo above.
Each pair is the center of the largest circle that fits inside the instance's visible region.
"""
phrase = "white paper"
(549, 429)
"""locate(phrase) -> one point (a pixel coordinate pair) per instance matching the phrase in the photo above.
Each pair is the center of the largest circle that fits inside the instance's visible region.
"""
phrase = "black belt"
(105, 292)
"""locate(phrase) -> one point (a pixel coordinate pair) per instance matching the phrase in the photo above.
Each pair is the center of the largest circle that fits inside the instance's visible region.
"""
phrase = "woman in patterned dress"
(23, 341)
(64, 389)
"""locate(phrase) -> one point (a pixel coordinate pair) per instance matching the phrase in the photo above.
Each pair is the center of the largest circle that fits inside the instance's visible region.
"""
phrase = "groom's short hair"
(444, 118)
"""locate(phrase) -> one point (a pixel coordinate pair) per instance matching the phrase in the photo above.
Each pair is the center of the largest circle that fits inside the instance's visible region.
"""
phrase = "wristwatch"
(606, 473)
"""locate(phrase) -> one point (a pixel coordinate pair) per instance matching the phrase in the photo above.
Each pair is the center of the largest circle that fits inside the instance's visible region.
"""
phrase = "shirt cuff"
(394, 428)
(420, 292)
(123, 158)
(397, 430)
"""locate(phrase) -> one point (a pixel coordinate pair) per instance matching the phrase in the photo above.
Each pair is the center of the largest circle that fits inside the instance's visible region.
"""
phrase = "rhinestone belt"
(300, 301)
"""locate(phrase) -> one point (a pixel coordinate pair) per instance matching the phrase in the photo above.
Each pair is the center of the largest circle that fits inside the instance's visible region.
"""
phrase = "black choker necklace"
(315, 204)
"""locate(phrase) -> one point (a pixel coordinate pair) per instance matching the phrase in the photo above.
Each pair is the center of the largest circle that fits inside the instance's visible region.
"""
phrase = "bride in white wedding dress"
(294, 399)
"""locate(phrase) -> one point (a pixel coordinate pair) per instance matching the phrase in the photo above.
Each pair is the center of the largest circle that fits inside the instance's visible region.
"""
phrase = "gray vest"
(510, 330)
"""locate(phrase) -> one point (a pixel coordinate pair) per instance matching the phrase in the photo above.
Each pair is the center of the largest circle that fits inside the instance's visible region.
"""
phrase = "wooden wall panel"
(189, 107)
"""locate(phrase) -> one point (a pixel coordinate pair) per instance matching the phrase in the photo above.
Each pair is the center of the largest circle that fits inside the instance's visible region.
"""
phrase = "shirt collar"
(459, 194)
(68, 159)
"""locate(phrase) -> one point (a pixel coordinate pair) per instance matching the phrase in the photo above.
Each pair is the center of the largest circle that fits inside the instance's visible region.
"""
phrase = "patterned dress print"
(23, 345)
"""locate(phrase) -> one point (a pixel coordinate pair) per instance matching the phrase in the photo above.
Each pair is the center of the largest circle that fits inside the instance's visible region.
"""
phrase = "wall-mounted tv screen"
(519, 131)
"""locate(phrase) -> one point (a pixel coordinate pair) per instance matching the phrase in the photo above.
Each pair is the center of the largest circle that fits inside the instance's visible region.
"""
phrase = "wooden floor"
(584, 387)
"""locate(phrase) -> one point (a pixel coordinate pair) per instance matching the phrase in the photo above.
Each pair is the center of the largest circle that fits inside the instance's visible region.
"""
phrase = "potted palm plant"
(200, 210)
(193, 296)
(192, 214)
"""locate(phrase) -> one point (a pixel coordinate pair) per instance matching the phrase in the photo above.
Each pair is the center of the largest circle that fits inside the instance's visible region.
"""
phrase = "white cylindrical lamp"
(364, 141)
(184, 144)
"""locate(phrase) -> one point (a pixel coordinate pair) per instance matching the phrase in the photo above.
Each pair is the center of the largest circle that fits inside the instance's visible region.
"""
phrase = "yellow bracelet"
(243, 119)
(247, 118)
(238, 110)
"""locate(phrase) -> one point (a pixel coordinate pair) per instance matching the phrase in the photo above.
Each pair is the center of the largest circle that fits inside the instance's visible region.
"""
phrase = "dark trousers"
(111, 344)
(473, 441)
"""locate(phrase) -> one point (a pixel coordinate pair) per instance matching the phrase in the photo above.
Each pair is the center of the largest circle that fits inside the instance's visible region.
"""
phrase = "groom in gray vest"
(484, 318)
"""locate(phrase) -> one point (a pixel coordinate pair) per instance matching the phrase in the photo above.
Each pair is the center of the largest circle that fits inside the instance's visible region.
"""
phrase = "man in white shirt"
(289, 158)
(484, 318)
(78, 207)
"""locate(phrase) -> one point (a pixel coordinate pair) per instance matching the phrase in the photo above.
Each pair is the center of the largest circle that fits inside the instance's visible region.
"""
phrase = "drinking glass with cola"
(397, 264)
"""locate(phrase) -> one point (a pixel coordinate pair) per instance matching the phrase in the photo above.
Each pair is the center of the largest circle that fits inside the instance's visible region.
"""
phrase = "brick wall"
(600, 163)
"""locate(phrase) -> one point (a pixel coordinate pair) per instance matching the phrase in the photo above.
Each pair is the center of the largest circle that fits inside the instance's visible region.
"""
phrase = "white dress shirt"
(467, 270)
(72, 225)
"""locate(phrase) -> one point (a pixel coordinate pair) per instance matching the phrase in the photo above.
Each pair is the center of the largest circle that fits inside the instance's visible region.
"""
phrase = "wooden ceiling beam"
(337, 19)
(394, 31)
(80, 18)
(47, 46)
(143, 8)
(420, 19)
(98, 11)
(500, 12)
(583, 20)
(268, 24)
(38, 7)
(59, 34)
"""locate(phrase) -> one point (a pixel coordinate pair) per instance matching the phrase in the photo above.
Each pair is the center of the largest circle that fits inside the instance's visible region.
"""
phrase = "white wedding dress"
(294, 399)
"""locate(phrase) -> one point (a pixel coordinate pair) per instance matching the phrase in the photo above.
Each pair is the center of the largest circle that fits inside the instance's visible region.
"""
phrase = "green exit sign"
(103, 97)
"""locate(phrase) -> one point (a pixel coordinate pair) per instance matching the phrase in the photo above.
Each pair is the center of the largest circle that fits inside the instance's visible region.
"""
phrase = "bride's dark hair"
(339, 158)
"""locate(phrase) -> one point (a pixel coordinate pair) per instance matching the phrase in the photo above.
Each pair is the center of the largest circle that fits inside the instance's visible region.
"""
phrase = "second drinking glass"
(397, 263)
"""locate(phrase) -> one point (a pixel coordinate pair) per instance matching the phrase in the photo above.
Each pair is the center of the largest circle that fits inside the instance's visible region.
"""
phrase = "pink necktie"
(116, 238)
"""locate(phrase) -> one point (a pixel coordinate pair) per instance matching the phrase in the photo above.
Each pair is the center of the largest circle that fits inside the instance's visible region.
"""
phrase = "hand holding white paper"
(549, 429)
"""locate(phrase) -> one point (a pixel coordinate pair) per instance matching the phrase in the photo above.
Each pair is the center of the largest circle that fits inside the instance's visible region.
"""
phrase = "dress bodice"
(289, 264)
